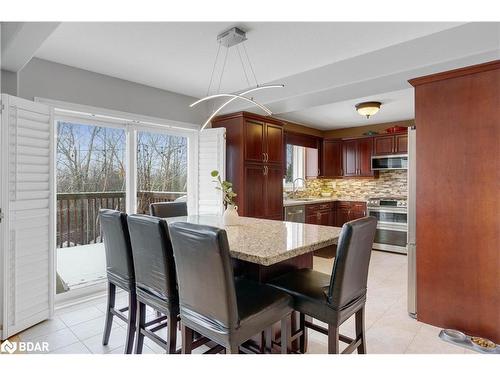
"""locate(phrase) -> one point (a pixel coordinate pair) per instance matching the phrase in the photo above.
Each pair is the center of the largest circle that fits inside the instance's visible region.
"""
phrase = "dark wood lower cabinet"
(345, 211)
(264, 191)
(255, 192)
(274, 192)
(319, 214)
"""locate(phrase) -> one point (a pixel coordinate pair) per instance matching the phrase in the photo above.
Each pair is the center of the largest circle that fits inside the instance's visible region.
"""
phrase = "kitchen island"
(262, 249)
(268, 242)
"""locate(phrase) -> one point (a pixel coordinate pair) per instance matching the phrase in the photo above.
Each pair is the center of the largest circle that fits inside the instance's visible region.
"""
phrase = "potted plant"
(230, 216)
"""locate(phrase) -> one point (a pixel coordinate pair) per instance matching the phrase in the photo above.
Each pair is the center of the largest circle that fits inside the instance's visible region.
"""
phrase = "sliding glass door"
(91, 174)
(110, 164)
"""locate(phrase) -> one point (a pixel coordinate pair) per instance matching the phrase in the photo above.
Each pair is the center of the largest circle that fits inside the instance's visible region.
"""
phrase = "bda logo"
(8, 347)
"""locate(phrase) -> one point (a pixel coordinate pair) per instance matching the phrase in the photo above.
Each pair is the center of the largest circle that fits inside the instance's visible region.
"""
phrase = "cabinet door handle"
(267, 157)
(264, 157)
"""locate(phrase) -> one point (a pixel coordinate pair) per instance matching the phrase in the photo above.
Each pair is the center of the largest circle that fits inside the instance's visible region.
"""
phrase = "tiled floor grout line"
(413, 339)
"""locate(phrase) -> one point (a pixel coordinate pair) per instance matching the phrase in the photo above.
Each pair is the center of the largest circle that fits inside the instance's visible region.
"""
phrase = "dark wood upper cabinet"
(331, 165)
(364, 157)
(383, 145)
(401, 143)
(390, 144)
(254, 140)
(349, 157)
(274, 143)
(356, 157)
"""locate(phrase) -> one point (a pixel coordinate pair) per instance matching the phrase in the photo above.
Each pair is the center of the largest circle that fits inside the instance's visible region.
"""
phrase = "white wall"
(42, 78)
(9, 82)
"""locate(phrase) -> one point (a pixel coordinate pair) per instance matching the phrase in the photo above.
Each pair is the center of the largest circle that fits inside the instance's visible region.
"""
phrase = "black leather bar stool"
(155, 280)
(335, 298)
(227, 311)
(168, 209)
(120, 272)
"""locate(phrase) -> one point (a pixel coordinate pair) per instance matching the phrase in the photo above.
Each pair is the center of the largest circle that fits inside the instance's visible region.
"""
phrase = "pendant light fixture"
(233, 38)
(368, 108)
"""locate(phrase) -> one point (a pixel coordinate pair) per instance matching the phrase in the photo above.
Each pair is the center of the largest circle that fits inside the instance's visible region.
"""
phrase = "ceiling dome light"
(368, 108)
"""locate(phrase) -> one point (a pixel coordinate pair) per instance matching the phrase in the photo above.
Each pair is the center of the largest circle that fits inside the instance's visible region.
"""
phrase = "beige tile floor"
(78, 329)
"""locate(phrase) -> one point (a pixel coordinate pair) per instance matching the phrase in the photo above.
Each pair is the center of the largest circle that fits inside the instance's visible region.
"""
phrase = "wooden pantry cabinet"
(458, 257)
(254, 162)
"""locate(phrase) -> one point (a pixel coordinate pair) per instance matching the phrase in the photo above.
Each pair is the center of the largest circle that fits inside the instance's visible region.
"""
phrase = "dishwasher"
(296, 214)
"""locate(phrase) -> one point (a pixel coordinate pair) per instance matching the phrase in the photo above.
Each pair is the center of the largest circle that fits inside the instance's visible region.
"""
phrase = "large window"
(95, 170)
(295, 165)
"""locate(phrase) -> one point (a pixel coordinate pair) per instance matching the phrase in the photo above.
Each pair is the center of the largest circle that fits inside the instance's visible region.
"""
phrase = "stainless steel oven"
(392, 225)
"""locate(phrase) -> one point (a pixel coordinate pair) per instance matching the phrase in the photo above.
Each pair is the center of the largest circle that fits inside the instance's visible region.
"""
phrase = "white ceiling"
(179, 56)
(326, 67)
(396, 106)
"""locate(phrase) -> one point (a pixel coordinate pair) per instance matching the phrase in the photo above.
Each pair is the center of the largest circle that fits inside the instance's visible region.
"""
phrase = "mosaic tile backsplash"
(389, 184)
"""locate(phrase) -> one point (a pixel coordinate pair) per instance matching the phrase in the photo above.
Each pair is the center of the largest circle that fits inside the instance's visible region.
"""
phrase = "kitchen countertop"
(299, 202)
(267, 242)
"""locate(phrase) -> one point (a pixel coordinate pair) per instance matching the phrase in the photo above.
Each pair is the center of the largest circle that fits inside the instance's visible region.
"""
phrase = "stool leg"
(268, 340)
(303, 329)
(360, 330)
(132, 314)
(233, 349)
(171, 333)
(140, 325)
(333, 339)
(187, 339)
(285, 334)
(109, 314)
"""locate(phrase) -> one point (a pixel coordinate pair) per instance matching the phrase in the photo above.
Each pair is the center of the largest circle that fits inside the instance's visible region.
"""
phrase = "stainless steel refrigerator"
(411, 243)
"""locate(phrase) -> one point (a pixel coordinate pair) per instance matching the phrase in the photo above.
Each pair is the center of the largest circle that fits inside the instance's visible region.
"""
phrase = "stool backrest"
(350, 270)
(117, 245)
(205, 275)
(153, 256)
(168, 209)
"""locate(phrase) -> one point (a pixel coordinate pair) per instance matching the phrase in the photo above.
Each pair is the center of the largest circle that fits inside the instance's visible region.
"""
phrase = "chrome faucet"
(294, 190)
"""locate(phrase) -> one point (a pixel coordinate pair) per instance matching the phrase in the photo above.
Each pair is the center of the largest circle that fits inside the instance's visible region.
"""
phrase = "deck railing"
(77, 213)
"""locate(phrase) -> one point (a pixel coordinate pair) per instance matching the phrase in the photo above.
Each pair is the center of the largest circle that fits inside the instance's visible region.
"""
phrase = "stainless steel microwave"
(388, 162)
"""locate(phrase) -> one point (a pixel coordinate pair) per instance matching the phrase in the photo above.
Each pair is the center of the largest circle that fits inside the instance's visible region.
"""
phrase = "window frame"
(297, 166)
(131, 124)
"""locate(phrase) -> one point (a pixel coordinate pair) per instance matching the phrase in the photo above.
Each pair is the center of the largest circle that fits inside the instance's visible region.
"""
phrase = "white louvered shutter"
(27, 201)
(211, 156)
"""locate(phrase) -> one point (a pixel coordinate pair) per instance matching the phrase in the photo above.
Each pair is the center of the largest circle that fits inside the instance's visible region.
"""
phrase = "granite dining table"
(262, 249)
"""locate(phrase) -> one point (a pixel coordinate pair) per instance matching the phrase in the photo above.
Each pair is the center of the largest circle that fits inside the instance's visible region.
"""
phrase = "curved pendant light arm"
(239, 95)
(235, 96)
